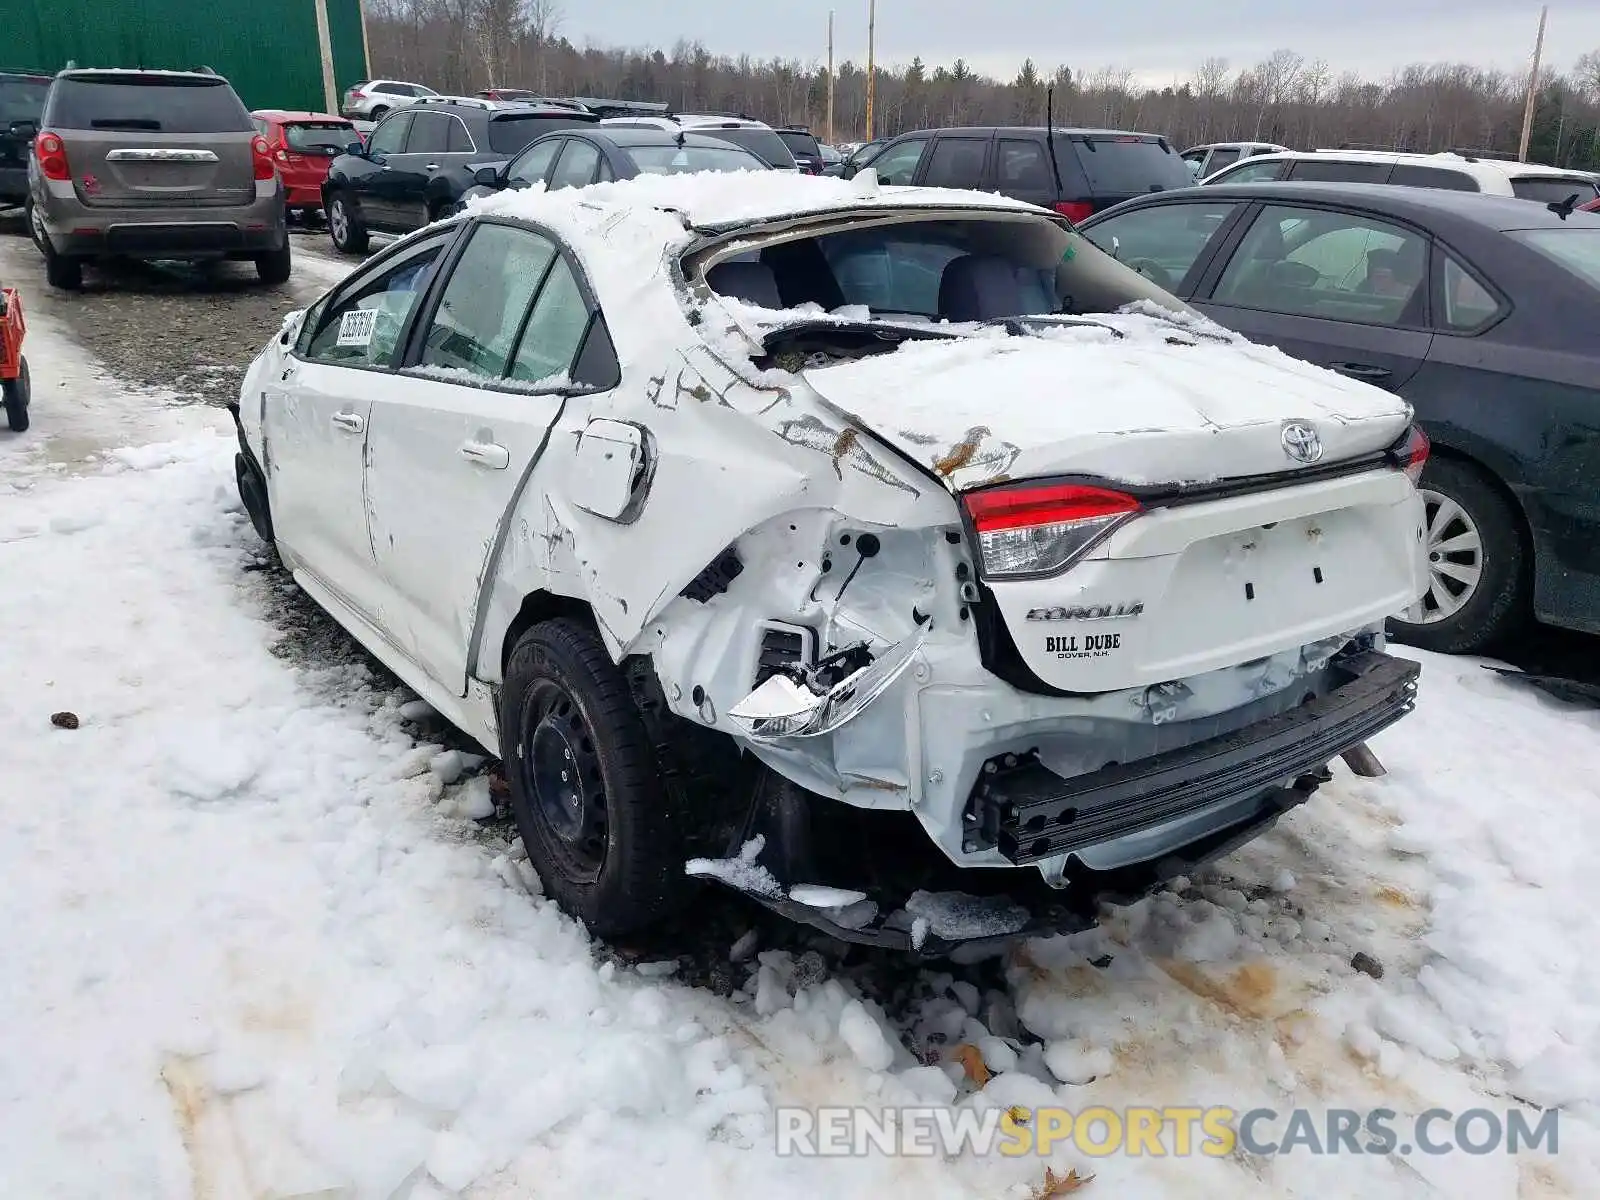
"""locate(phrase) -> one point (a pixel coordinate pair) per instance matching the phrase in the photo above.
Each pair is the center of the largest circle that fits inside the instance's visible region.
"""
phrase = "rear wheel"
(598, 825)
(380, 112)
(345, 226)
(17, 393)
(61, 270)
(275, 265)
(1477, 590)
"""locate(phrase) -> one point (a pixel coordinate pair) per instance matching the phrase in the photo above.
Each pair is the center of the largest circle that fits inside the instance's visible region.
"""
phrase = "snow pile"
(247, 949)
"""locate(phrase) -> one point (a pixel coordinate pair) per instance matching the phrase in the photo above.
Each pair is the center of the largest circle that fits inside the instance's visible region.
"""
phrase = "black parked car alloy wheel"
(1476, 592)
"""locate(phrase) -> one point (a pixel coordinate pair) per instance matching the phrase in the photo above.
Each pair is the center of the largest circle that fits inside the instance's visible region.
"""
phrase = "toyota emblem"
(1301, 443)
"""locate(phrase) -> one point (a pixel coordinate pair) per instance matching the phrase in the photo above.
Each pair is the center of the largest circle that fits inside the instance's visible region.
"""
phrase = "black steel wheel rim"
(561, 777)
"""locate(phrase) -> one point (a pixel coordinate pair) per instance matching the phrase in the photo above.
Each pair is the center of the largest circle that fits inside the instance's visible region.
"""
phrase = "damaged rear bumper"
(1219, 793)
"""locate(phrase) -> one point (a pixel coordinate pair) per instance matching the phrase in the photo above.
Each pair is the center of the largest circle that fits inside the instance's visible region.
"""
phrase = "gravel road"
(187, 330)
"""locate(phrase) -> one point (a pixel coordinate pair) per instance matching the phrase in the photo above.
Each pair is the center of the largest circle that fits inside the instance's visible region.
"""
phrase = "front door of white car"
(454, 434)
(315, 426)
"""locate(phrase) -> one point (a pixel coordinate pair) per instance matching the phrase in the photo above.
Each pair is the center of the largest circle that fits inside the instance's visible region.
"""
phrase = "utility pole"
(1533, 88)
(330, 90)
(366, 44)
(872, 73)
(830, 77)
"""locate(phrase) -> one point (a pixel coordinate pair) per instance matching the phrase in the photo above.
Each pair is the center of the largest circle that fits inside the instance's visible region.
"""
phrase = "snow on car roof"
(713, 200)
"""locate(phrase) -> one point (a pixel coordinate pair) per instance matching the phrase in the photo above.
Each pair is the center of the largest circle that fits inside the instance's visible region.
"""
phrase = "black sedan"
(579, 157)
(419, 161)
(1478, 310)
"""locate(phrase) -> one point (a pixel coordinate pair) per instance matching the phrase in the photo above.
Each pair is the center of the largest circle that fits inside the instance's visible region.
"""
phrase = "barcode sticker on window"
(356, 326)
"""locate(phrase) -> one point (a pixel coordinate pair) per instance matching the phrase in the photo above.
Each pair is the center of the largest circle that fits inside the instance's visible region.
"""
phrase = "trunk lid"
(1129, 398)
(1179, 590)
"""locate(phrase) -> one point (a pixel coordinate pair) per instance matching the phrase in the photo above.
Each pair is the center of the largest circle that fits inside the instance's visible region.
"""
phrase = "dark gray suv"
(152, 165)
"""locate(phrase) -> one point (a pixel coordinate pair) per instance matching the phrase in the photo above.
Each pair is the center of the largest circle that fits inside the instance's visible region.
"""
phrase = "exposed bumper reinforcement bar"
(1030, 813)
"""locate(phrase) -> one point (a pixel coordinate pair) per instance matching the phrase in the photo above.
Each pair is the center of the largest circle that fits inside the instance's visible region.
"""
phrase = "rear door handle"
(431, 167)
(1362, 371)
(486, 454)
(349, 422)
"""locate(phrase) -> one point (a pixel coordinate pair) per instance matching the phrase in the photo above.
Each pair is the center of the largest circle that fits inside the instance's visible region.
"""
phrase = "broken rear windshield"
(147, 104)
(956, 269)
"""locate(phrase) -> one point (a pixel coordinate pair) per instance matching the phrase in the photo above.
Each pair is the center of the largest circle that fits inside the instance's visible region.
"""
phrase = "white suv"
(757, 137)
(373, 99)
(1462, 172)
(893, 556)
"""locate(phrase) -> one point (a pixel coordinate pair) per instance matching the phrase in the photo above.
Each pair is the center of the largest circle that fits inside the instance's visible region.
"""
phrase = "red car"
(304, 144)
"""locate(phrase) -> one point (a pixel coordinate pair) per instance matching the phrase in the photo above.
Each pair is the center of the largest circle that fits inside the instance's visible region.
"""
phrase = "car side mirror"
(358, 149)
(488, 177)
(848, 171)
(26, 130)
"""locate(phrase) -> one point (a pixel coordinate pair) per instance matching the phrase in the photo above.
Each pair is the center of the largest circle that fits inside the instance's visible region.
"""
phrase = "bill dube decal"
(1089, 645)
(1091, 612)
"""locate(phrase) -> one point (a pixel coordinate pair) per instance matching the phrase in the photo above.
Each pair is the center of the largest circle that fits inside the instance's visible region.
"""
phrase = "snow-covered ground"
(251, 950)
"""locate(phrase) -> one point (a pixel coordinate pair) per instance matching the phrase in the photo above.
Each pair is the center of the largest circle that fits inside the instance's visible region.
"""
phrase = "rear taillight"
(1075, 210)
(261, 152)
(51, 152)
(1410, 453)
(1042, 528)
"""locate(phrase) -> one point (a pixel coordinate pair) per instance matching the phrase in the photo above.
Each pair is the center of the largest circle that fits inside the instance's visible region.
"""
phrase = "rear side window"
(1316, 170)
(1578, 250)
(1023, 166)
(147, 104)
(1128, 166)
(21, 98)
(800, 143)
(510, 133)
(1552, 190)
(1408, 175)
(319, 137)
(956, 162)
(430, 133)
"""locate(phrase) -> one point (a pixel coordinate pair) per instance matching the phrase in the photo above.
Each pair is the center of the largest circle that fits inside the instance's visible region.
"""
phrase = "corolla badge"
(1301, 442)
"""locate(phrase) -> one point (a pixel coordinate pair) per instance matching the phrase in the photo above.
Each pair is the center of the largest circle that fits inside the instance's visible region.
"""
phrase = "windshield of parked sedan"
(320, 137)
(1576, 249)
(682, 160)
(959, 269)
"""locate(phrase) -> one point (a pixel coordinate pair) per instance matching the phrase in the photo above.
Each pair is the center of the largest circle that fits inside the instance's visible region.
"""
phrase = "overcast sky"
(1159, 40)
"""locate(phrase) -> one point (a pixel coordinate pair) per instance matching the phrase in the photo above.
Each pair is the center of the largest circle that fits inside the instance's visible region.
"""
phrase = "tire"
(36, 232)
(253, 495)
(17, 393)
(275, 265)
(345, 227)
(613, 858)
(62, 272)
(1469, 524)
(378, 113)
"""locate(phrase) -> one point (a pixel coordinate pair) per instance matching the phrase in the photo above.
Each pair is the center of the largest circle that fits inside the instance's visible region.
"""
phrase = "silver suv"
(152, 164)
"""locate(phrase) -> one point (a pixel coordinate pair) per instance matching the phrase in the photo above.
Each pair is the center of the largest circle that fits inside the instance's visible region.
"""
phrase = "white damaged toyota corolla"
(892, 556)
